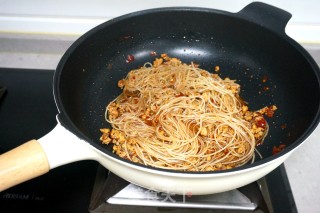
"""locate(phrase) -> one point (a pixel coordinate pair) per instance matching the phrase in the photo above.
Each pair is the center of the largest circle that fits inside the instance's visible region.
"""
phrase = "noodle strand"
(176, 116)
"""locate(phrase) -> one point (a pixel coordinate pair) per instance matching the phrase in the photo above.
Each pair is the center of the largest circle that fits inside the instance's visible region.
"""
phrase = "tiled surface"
(44, 52)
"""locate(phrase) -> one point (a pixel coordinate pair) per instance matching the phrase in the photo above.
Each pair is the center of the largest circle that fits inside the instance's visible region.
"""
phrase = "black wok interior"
(87, 75)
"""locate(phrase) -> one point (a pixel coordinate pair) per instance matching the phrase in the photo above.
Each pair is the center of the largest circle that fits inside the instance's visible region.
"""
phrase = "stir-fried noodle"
(177, 116)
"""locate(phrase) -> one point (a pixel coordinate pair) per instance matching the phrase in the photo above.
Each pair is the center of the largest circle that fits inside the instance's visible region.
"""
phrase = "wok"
(248, 46)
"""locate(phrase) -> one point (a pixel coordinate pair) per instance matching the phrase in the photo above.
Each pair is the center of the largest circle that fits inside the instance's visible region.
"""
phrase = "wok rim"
(67, 122)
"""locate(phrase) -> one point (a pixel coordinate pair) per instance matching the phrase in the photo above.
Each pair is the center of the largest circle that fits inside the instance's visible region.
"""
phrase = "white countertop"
(78, 16)
(44, 52)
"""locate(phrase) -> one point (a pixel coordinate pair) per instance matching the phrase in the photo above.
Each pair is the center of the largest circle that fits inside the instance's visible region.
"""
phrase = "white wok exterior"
(62, 147)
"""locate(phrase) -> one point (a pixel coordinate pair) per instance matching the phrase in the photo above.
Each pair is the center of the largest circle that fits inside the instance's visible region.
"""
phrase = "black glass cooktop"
(27, 111)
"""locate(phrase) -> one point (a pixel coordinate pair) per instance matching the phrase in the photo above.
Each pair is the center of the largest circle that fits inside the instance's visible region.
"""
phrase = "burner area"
(269, 194)
(138, 196)
(117, 193)
(27, 111)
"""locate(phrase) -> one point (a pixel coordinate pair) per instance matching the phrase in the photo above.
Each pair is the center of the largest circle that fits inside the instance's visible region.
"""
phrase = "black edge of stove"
(280, 191)
(28, 111)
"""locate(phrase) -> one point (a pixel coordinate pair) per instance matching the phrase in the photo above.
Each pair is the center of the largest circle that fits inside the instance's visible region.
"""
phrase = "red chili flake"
(277, 149)
(264, 79)
(130, 58)
(261, 122)
(153, 53)
(265, 88)
(126, 37)
(283, 126)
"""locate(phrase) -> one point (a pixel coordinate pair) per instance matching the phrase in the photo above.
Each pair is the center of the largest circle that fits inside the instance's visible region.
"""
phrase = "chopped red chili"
(261, 122)
(130, 58)
(283, 126)
(153, 53)
(277, 149)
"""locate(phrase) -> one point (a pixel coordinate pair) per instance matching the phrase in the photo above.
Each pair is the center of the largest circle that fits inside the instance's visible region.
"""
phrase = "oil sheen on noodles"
(177, 116)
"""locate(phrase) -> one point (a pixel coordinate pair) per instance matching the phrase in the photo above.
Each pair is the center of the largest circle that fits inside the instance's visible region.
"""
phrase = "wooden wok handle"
(22, 163)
